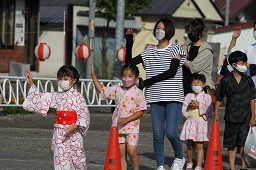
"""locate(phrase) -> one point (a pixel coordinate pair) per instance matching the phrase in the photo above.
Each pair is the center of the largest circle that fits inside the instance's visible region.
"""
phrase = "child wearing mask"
(130, 106)
(72, 117)
(239, 91)
(197, 107)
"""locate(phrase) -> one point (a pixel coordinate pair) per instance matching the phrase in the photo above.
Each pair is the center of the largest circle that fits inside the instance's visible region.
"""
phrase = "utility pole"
(91, 33)
(119, 35)
(227, 13)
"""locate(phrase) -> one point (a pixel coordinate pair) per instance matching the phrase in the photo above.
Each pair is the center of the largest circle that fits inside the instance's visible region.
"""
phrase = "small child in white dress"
(197, 108)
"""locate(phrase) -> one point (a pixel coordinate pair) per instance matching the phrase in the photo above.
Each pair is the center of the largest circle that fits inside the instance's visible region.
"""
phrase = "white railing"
(14, 90)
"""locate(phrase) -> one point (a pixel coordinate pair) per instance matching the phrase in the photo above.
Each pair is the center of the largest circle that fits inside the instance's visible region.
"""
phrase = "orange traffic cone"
(113, 161)
(214, 155)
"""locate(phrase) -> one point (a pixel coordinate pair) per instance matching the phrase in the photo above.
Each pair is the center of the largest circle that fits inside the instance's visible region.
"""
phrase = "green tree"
(107, 8)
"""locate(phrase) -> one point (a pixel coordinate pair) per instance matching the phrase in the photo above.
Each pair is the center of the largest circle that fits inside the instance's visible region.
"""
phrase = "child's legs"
(61, 158)
(242, 135)
(61, 153)
(230, 141)
(232, 157)
(122, 147)
(132, 141)
(242, 157)
(190, 150)
(77, 151)
(200, 153)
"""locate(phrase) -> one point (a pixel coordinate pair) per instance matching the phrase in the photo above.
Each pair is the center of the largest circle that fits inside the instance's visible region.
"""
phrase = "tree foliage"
(108, 7)
(108, 10)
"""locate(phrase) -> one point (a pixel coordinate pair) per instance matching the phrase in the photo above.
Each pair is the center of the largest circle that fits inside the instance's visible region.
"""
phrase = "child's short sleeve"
(109, 93)
(140, 102)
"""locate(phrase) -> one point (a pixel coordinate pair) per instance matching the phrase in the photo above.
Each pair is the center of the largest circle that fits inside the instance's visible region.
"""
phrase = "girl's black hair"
(237, 56)
(201, 77)
(134, 69)
(168, 26)
(197, 25)
(69, 71)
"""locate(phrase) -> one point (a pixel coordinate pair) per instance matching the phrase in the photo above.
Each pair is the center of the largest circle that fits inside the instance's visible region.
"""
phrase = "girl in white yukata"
(72, 118)
(197, 108)
(130, 106)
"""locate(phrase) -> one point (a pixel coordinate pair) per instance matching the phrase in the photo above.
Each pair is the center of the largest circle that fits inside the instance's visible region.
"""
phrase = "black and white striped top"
(156, 61)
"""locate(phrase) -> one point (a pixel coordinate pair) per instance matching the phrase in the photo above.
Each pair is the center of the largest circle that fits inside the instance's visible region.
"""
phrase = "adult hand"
(28, 76)
(129, 31)
(236, 33)
(140, 83)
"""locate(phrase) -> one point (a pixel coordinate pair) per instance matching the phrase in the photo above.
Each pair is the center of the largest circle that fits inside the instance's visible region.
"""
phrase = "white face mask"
(197, 89)
(241, 68)
(160, 34)
(64, 84)
(254, 35)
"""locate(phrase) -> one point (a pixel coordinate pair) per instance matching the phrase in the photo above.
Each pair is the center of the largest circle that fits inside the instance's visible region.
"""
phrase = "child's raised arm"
(28, 76)
(95, 79)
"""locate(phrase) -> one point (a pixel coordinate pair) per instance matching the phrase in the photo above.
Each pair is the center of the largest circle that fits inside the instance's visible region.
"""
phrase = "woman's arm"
(202, 61)
(129, 60)
(170, 73)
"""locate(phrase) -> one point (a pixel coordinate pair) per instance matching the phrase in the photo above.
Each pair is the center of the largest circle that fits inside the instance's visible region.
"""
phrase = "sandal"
(189, 166)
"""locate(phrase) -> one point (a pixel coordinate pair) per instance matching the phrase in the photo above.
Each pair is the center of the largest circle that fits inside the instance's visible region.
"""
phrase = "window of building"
(7, 18)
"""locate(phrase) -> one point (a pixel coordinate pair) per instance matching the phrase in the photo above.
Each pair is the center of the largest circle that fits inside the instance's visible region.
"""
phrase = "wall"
(8, 55)
(55, 40)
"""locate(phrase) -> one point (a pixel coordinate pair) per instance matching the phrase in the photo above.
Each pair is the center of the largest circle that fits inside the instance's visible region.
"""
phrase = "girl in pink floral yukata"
(72, 118)
(130, 106)
(197, 108)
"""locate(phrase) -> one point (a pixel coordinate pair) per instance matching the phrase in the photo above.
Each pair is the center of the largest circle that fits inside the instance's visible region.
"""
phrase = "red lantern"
(121, 55)
(42, 51)
(83, 52)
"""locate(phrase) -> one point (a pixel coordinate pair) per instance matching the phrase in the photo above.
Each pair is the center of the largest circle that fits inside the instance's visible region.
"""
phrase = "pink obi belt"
(65, 117)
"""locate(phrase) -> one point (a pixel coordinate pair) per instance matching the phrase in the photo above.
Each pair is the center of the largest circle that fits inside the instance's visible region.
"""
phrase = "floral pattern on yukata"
(68, 151)
(196, 129)
(127, 103)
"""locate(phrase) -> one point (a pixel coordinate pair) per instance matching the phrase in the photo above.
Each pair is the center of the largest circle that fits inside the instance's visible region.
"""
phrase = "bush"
(10, 110)
(15, 110)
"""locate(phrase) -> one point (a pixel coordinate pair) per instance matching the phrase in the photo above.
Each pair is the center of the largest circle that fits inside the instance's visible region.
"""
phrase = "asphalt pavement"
(25, 142)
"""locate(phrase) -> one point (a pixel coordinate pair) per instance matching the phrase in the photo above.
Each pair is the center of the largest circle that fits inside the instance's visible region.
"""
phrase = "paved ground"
(25, 142)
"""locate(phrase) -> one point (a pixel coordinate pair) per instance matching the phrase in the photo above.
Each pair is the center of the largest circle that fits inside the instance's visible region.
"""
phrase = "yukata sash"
(65, 117)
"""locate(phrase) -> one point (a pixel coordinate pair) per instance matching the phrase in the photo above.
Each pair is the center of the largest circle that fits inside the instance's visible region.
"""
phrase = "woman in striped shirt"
(163, 61)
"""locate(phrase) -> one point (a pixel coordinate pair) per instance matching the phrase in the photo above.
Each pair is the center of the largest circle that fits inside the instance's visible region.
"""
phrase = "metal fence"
(14, 90)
